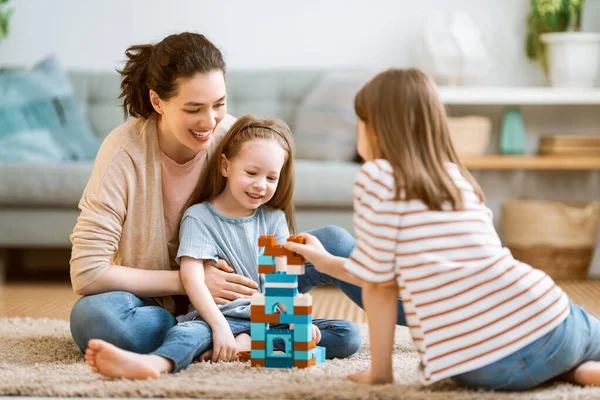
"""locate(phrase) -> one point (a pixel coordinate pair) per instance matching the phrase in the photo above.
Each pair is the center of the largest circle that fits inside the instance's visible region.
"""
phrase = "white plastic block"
(295, 269)
(303, 300)
(257, 299)
(281, 264)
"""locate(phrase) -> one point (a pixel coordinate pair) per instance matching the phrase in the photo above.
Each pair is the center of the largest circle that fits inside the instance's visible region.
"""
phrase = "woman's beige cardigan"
(122, 217)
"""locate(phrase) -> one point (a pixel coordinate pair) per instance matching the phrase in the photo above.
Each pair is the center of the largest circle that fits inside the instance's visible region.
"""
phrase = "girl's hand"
(367, 377)
(224, 345)
(224, 286)
(316, 333)
(313, 251)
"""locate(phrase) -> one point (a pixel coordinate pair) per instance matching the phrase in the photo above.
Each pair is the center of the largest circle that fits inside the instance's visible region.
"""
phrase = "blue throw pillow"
(42, 100)
(30, 146)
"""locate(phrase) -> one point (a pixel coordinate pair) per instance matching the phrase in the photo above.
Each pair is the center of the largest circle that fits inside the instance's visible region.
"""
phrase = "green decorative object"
(550, 16)
(5, 14)
(512, 134)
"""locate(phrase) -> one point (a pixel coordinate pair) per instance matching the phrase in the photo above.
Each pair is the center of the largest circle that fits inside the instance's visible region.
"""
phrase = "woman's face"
(188, 120)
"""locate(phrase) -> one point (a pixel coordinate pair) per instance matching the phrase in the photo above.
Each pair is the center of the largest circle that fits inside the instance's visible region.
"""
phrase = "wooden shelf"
(499, 162)
(498, 95)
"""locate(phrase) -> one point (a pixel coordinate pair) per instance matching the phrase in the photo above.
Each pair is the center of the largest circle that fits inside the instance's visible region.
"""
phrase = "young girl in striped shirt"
(423, 231)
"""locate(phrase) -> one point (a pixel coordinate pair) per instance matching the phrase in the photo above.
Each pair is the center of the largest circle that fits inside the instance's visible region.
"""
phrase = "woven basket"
(558, 238)
(470, 135)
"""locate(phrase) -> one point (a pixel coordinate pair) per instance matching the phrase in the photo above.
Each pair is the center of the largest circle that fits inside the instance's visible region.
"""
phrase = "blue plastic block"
(257, 330)
(257, 354)
(320, 354)
(303, 354)
(284, 318)
(272, 301)
(283, 334)
(281, 277)
(266, 260)
(279, 362)
(302, 333)
(283, 292)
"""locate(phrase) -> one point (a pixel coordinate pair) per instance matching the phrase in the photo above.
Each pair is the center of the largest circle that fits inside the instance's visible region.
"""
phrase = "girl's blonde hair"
(243, 130)
(403, 109)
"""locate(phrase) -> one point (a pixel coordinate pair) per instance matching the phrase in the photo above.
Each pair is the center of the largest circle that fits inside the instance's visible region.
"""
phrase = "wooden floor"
(55, 300)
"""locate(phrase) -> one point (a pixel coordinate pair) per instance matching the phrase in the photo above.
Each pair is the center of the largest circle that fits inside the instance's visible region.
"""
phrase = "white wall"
(93, 35)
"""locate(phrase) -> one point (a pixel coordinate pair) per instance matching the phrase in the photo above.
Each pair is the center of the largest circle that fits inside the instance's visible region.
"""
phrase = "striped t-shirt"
(467, 301)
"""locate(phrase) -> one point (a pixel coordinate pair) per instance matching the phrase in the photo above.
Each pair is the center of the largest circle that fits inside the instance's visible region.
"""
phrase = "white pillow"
(325, 122)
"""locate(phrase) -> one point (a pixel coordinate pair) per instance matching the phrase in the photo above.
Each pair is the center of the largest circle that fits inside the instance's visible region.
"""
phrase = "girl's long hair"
(244, 129)
(403, 109)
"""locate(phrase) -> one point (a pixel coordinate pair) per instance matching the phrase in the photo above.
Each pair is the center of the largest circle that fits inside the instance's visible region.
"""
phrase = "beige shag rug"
(38, 358)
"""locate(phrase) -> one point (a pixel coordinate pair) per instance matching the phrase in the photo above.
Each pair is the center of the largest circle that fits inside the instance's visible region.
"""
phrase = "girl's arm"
(192, 277)
(314, 252)
(381, 304)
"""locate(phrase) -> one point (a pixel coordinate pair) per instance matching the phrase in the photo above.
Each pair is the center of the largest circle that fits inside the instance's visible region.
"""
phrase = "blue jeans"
(187, 340)
(139, 324)
(575, 341)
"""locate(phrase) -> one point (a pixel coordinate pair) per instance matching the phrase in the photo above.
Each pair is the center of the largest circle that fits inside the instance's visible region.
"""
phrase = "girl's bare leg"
(587, 374)
(109, 360)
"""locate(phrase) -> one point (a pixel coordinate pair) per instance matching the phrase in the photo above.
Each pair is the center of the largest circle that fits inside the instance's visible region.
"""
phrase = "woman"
(145, 176)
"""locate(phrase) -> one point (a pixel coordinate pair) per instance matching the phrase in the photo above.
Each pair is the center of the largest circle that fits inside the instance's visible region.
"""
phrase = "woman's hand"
(225, 286)
(224, 345)
(313, 251)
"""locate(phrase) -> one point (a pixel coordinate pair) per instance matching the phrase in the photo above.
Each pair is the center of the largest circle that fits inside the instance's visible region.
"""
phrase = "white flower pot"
(573, 58)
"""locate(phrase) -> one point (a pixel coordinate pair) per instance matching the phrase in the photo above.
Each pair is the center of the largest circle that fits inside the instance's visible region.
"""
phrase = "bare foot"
(109, 360)
(244, 344)
(587, 374)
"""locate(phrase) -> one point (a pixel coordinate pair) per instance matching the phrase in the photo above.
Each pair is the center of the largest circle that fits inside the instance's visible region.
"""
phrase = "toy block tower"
(281, 304)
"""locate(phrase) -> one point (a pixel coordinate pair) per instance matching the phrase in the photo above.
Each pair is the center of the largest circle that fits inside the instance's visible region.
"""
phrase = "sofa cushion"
(43, 184)
(325, 123)
(42, 99)
(319, 184)
(35, 145)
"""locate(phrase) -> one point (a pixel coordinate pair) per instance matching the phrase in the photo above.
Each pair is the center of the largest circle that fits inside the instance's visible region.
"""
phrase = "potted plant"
(5, 14)
(569, 57)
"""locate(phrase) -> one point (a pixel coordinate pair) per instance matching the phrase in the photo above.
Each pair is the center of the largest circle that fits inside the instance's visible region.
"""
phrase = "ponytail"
(134, 81)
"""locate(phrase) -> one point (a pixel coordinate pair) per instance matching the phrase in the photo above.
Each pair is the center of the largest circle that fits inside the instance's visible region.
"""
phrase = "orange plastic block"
(304, 346)
(266, 269)
(259, 345)
(243, 356)
(258, 362)
(305, 363)
(267, 241)
(257, 314)
(294, 259)
(302, 310)
(297, 239)
(277, 251)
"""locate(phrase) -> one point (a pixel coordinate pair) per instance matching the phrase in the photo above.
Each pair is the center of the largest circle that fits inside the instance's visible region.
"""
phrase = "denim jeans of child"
(139, 324)
(187, 340)
(575, 341)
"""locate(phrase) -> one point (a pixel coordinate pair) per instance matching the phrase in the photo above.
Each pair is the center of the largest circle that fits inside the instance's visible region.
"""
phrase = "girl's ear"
(156, 102)
(224, 166)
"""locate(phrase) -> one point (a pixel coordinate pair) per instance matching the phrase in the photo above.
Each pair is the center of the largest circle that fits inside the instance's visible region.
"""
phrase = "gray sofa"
(38, 202)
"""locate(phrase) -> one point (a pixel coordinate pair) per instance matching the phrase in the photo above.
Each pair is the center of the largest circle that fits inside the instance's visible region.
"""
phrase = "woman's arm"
(141, 282)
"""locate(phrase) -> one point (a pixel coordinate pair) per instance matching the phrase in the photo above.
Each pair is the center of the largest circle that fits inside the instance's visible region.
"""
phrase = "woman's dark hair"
(159, 66)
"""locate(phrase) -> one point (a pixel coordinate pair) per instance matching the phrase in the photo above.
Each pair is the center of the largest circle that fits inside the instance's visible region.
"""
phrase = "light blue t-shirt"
(206, 234)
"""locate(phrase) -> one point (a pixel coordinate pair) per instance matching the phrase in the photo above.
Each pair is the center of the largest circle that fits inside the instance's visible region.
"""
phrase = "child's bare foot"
(244, 344)
(587, 374)
(109, 360)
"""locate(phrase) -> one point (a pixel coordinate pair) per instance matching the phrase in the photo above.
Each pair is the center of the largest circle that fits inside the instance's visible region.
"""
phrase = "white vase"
(573, 58)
